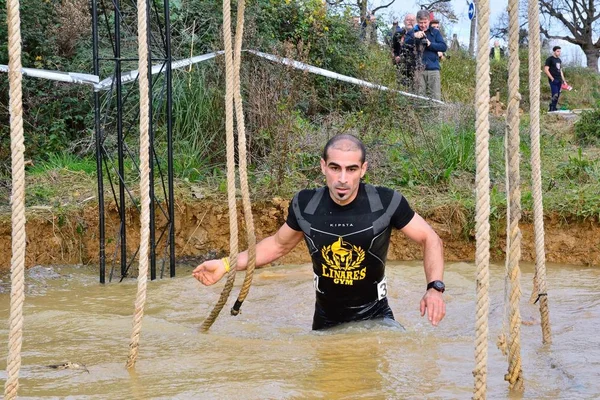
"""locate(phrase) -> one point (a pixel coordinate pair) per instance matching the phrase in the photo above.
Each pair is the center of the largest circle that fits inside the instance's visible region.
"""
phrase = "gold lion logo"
(342, 255)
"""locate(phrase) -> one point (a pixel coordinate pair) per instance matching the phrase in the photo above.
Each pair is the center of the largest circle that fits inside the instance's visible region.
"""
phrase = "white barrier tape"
(70, 77)
(323, 72)
(131, 76)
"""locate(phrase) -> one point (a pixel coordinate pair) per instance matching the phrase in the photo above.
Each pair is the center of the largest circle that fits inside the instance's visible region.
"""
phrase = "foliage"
(289, 114)
(198, 120)
(579, 168)
(458, 77)
(587, 129)
(327, 40)
(57, 117)
(195, 26)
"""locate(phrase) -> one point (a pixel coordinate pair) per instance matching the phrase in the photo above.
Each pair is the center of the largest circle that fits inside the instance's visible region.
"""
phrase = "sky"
(570, 53)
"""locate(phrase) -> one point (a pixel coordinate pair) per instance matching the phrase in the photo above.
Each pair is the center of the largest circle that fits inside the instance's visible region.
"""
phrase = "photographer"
(427, 42)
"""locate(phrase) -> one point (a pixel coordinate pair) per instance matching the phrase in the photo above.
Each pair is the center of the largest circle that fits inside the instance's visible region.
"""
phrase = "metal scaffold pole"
(116, 119)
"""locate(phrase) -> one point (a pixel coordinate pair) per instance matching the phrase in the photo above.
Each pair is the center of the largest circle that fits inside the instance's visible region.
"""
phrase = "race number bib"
(382, 289)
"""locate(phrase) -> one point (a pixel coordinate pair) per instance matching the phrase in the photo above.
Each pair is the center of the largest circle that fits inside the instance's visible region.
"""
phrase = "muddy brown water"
(269, 351)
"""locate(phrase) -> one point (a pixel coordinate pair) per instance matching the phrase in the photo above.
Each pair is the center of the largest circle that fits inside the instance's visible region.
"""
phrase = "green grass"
(64, 161)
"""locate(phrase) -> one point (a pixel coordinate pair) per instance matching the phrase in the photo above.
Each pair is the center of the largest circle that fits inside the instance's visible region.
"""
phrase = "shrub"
(587, 129)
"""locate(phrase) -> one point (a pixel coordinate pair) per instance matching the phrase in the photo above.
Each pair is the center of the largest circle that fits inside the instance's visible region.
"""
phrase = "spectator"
(409, 22)
(496, 52)
(404, 57)
(427, 43)
(553, 69)
(389, 38)
(435, 24)
(369, 28)
(455, 45)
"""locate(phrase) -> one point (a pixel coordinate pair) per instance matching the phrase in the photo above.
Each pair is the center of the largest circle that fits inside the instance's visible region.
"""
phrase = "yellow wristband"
(226, 262)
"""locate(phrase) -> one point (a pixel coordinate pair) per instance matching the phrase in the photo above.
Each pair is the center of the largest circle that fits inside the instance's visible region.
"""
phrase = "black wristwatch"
(437, 285)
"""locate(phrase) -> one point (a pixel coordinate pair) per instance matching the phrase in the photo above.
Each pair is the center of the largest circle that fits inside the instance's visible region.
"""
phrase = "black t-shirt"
(555, 65)
(348, 244)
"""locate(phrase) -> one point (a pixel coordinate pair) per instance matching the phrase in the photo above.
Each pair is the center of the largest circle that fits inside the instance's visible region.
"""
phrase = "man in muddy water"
(347, 226)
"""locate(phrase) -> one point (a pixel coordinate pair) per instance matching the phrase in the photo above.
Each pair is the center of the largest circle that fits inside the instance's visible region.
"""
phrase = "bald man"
(347, 226)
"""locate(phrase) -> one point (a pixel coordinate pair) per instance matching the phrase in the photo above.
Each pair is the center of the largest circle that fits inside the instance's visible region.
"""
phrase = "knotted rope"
(515, 373)
(144, 182)
(241, 128)
(482, 179)
(540, 291)
(232, 89)
(17, 268)
(233, 225)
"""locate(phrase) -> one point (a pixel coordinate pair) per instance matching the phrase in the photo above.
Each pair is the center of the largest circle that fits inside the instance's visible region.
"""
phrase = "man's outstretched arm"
(267, 250)
(433, 261)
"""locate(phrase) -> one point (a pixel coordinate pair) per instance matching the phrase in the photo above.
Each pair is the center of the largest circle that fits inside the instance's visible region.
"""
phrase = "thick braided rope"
(144, 182)
(17, 266)
(515, 373)
(536, 174)
(482, 206)
(243, 170)
(233, 223)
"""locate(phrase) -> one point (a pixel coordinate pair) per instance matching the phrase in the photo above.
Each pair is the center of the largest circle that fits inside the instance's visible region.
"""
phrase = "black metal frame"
(117, 113)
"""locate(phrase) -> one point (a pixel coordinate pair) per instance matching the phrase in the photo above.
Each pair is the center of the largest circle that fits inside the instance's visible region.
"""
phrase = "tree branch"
(431, 5)
(558, 15)
(577, 11)
(385, 6)
(565, 38)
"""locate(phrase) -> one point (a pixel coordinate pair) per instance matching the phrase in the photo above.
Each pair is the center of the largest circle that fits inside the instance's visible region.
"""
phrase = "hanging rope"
(515, 373)
(140, 299)
(540, 291)
(233, 225)
(239, 115)
(17, 268)
(482, 181)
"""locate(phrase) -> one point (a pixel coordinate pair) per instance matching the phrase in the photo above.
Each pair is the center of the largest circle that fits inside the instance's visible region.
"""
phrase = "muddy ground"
(202, 229)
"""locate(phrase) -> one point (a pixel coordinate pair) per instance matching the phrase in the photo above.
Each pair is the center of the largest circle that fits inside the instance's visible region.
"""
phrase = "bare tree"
(441, 7)
(361, 5)
(500, 28)
(580, 19)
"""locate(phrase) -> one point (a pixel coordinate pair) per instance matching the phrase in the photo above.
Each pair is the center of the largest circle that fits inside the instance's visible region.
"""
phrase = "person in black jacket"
(403, 54)
(427, 43)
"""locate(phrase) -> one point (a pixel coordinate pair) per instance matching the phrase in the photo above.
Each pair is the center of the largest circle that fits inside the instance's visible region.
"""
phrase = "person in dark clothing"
(390, 35)
(403, 54)
(553, 69)
(427, 43)
(435, 24)
(347, 226)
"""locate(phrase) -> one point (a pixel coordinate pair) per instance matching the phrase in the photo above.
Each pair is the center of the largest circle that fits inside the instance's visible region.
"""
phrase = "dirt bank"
(71, 237)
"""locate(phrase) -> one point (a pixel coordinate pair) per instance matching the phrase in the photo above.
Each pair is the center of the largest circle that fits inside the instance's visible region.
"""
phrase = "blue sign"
(471, 10)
